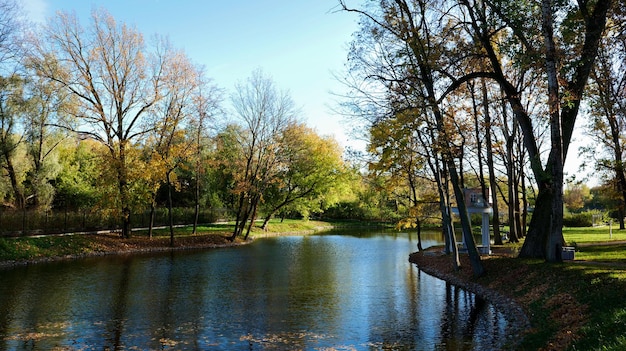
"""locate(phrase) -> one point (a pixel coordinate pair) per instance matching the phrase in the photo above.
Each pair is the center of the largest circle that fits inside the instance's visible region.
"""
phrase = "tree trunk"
(418, 224)
(524, 205)
(535, 242)
(555, 237)
(620, 177)
(122, 178)
(20, 201)
(474, 257)
(196, 214)
(238, 217)
(152, 214)
(512, 190)
(446, 219)
(170, 215)
(497, 237)
(255, 206)
(266, 221)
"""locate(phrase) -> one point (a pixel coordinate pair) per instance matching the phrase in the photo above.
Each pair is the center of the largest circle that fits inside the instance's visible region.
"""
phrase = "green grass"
(53, 246)
(24, 248)
(188, 230)
(601, 289)
(602, 253)
(593, 235)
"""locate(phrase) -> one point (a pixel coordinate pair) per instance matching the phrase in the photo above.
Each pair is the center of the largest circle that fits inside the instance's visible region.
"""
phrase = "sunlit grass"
(593, 234)
(603, 253)
(215, 228)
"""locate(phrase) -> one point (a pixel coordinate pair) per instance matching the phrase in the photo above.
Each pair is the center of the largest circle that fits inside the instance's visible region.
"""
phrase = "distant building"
(474, 198)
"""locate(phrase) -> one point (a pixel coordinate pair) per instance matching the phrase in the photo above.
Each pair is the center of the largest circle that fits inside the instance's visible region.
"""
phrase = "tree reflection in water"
(315, 292)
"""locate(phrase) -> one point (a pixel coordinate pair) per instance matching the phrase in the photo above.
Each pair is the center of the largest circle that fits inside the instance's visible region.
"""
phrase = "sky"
(301, 45)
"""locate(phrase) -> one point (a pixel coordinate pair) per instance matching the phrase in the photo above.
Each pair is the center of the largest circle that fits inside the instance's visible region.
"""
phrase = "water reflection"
(319, 292)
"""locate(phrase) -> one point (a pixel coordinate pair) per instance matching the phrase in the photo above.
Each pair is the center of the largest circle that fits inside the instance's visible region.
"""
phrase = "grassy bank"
(575, 305)
(33, 249)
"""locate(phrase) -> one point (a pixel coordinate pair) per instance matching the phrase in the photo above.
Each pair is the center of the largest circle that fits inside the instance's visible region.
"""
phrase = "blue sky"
(300, 44)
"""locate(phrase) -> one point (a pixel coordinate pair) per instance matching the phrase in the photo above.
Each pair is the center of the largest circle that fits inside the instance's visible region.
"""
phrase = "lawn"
(599, 234)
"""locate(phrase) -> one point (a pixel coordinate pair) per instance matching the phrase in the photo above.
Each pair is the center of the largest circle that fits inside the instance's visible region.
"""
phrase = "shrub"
(582, 219)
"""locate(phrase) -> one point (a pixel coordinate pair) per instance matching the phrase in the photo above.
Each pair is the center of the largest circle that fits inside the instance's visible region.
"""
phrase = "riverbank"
(25, 251)
(572, 305)
(40, 249)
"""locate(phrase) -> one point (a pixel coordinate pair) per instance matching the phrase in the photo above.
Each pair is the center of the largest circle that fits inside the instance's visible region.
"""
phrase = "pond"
(320, 292)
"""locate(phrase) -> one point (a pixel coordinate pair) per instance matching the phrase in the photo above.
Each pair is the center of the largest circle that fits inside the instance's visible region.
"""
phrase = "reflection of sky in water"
(319, 292)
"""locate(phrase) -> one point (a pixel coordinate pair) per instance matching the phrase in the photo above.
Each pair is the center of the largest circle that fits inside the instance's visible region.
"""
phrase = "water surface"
(321, 292)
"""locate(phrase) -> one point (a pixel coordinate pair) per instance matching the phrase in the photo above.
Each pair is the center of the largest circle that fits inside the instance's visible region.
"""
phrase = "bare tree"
(264, 112)
(11, 28)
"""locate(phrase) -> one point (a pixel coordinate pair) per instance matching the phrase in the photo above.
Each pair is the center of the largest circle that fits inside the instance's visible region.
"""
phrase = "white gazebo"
(475, 203)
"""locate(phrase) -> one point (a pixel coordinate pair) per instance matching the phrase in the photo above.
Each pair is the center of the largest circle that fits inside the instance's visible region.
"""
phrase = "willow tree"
(115, 78)
(310, 168)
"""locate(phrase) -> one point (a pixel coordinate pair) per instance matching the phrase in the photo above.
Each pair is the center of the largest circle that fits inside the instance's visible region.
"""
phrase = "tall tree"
(170, 145)
(206, 106)
(264, 113)
(48, 106)
(12, 110)
(564, 50)
(427, 70)
(608, 110)
(115, 79)
(11, 29)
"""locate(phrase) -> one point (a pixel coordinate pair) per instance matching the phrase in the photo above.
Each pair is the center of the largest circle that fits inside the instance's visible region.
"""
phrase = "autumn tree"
(264, 112)
(11, 30)
(115, 78)
(206, 106)
(418, 76)
(576, 195)
(607, 125)
(398, 153)
(169, 146)
(562, 50)
(12, 110)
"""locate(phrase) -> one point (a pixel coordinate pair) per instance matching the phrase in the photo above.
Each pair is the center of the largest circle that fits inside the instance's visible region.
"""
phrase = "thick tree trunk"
(540, 223)
(555, 237)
